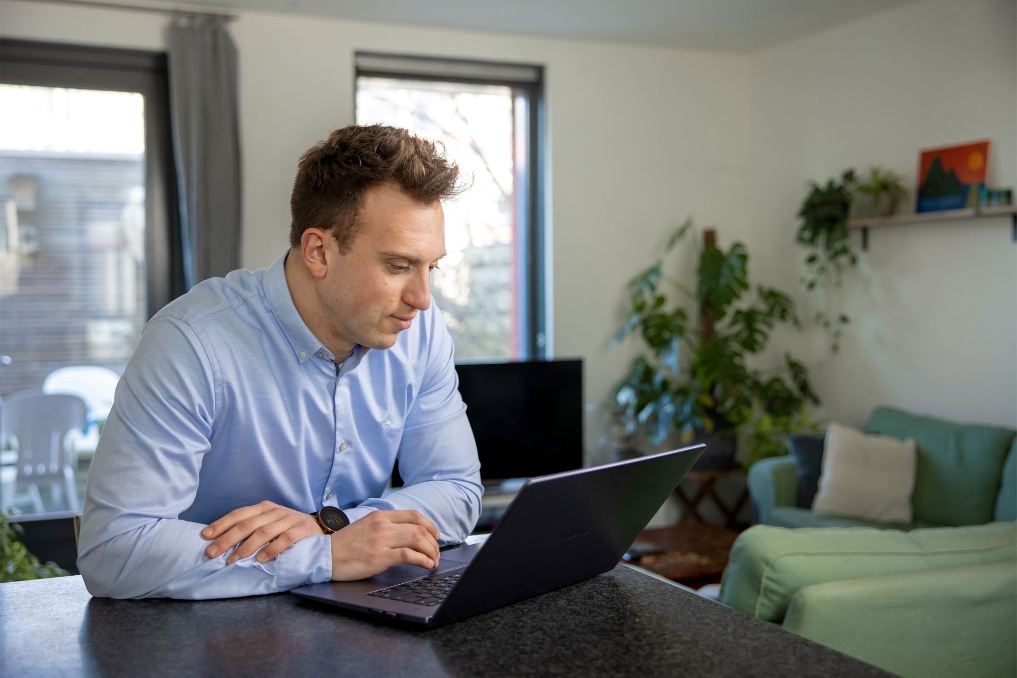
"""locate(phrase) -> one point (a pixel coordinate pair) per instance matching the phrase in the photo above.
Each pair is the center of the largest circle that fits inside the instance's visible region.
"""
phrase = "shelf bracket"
(1013, 218)
(865, 234)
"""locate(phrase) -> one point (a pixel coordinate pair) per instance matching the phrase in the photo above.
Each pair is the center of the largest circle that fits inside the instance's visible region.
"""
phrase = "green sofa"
(937, 597)
(966, 475)
(929, 602)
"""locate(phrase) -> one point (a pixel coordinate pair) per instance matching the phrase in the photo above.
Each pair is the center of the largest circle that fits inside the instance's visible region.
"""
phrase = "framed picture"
(950, 178)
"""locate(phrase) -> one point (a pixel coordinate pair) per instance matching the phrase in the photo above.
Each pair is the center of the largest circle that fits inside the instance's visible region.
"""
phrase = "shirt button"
(302, 355)
(342, 448)
(328, 496)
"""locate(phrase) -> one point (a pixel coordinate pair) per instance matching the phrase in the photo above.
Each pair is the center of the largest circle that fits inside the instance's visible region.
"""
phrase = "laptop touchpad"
(461, 554)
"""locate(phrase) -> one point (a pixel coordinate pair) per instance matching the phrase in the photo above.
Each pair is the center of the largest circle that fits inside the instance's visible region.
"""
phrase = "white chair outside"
(94, 385)
(38, 425)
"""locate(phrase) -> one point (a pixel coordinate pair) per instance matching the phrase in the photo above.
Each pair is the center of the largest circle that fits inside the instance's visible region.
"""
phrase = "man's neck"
(301, 286)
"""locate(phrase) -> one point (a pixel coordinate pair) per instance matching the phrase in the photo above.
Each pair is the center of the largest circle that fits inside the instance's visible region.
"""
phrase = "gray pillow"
(807, 453)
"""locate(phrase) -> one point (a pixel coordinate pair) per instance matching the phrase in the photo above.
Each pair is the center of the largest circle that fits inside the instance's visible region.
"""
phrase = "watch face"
(333, 518)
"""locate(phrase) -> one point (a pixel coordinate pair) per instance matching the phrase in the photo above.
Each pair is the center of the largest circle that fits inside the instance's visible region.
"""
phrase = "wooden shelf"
(927, 217)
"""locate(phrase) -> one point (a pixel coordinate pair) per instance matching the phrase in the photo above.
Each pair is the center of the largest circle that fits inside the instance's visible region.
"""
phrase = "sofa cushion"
(768, 565)
(792, 516)
(959, 466)
(1006, 501)
(806, 449)
(866, 477)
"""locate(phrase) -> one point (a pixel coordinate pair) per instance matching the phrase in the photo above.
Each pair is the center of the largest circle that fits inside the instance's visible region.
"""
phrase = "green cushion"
(959, 621)
(768, 565)
(791, 516)
(959, 466)
(1006, 502)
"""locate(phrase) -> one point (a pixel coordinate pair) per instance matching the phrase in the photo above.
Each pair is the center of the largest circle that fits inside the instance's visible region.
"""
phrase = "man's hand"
(380, 540)
(256, 526)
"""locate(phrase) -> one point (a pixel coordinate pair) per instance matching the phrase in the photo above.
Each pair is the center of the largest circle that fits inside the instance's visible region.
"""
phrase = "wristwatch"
(330, 519)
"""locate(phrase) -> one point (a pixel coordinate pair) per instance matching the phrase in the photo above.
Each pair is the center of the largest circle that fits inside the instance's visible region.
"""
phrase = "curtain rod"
(134, 7)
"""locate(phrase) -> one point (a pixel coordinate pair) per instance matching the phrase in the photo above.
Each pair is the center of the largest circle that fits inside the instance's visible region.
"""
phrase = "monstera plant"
(695, 378)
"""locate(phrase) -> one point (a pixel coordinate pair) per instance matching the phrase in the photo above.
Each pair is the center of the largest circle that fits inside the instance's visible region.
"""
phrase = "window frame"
(521, 77)
(46, 64)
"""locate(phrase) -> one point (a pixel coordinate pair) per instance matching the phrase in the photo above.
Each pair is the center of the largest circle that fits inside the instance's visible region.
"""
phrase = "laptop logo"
(576, 535)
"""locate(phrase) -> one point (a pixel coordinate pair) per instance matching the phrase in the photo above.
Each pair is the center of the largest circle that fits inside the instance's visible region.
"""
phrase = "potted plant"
(823, 233)
(16, 563)
(823, 229)
(879, 195)
(695, 379)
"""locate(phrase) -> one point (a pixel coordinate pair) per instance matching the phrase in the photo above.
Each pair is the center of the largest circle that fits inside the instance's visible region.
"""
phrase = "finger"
(417, 538)
(410, 557)
(254, 533)
(265, 534)
(239, 532)
(220, 526)
(414, 517)
(286, 540)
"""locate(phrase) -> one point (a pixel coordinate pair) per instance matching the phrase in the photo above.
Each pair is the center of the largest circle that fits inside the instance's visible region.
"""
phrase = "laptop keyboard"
(427, 591)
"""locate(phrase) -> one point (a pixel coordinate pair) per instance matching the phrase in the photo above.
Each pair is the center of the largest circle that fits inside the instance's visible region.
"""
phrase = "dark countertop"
(620, 623)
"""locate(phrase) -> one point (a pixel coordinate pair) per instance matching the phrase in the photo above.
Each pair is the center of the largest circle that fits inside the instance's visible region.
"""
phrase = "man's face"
(374, 291)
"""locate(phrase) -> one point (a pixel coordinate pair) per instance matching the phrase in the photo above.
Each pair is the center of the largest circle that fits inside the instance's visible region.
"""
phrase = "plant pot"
(863, 206)
(719, 454)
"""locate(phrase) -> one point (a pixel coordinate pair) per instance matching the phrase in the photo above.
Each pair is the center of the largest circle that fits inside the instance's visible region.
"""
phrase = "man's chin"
(380, 342)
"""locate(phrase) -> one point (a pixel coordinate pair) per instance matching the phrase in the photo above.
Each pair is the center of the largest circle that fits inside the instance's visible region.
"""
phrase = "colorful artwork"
(950, 178)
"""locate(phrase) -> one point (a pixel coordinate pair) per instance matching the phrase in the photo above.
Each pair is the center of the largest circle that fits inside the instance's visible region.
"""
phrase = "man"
(258, 399)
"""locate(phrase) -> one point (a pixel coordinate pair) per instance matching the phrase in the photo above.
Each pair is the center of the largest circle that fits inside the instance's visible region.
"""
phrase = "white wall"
(639, 138)
(933, 306)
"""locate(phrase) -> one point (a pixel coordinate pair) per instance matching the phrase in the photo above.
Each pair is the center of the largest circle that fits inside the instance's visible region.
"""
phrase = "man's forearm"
(135, 558)
(453, 505)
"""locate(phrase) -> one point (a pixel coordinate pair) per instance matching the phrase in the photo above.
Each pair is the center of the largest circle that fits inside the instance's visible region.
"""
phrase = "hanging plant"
(824, 234)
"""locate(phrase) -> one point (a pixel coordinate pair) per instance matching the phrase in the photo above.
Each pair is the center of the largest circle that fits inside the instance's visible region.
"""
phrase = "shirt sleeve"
(438, 453)
(145, 474)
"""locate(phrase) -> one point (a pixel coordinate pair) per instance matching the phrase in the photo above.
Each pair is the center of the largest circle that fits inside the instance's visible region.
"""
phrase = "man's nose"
(418, 293)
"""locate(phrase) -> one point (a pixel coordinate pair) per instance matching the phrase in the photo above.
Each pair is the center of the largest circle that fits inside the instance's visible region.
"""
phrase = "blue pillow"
(807, 453)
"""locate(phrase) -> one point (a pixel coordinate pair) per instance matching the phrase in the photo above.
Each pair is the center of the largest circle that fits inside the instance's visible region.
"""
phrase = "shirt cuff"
(309, 561)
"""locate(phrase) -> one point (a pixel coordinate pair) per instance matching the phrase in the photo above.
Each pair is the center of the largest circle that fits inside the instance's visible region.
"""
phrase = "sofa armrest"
(952, 622)
(772, 482)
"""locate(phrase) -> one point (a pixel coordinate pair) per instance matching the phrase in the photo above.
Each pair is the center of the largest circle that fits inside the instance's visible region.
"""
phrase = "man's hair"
(334, 175)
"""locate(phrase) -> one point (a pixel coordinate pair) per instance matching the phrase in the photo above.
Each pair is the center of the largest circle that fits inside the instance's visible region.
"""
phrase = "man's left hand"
(255, 526)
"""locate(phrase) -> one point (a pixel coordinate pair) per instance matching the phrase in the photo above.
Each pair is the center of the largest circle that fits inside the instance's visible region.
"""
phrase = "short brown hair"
(334, 174)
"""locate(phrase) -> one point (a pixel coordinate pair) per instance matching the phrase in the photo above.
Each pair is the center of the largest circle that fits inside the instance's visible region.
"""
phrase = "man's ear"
(314, 252)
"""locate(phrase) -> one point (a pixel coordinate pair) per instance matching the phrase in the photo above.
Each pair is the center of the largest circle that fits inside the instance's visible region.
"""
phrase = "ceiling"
(727, 25)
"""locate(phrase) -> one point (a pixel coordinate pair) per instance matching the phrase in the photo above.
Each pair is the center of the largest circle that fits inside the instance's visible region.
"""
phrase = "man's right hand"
(380, 540)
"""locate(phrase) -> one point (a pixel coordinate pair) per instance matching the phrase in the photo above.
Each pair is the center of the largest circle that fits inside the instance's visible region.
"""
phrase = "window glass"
(483, 286)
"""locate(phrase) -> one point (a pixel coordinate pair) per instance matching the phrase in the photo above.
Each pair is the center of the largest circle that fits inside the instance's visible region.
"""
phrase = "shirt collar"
(301, 339)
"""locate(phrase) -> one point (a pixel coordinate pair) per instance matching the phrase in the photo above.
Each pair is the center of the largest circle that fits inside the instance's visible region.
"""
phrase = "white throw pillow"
(867, 477)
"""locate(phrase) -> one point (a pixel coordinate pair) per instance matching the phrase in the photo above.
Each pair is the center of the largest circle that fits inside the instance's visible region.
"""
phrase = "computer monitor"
(527, 417)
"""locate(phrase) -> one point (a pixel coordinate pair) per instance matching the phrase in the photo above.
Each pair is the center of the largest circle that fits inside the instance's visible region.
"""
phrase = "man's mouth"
(404, 321)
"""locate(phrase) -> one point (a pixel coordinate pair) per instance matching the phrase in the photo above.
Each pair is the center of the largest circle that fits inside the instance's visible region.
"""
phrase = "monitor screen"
(527, 417)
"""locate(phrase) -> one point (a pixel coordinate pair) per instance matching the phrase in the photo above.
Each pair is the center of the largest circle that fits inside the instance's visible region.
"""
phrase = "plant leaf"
(678, 234)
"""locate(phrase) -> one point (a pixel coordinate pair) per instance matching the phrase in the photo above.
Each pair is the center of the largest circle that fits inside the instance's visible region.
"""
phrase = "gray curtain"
(206, 145)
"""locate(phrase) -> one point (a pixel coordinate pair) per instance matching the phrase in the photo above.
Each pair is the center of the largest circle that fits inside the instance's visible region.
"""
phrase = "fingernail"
(212, 551)
(207, 532)
(262, 557)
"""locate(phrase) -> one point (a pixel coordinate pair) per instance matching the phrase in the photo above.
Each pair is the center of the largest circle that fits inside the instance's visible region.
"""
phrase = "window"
(490, 287)
(86, 196)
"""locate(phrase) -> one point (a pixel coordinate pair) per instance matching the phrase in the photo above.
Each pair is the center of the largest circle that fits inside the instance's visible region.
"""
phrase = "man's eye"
(396, 268)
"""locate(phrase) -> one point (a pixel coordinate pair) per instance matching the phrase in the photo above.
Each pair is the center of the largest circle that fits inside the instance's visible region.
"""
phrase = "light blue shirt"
(230, 400)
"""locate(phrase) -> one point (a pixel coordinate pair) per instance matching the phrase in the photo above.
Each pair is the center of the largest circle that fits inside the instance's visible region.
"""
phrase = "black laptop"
(560, 529)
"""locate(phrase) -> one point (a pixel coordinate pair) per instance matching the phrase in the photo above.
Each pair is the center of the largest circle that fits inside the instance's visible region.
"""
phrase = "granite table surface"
(621, 623)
